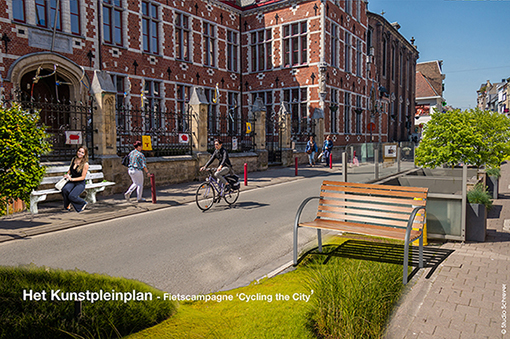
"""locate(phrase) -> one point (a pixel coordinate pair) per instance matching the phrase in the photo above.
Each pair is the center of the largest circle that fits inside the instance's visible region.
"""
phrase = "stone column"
(318, 116)
(259, 113)
(105, 140)
(285, 125)
(199, 106)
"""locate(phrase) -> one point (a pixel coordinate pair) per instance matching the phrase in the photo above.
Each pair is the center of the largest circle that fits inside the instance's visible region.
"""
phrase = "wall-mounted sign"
(390, 151)
(183, 138)
(73, 137)
(234, 144)
(248, 127)
(146, 143)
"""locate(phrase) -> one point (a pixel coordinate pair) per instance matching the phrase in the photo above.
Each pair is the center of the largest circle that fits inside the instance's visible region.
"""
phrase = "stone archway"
(69, 79)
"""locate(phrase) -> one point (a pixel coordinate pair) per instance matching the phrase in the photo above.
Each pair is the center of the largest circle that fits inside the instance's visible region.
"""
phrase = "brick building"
(392, 67)
(303, 59)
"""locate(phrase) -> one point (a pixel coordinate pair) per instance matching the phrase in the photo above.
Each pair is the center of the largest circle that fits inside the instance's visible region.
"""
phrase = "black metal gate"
(68, 123)
(170, 131)
(273, 140)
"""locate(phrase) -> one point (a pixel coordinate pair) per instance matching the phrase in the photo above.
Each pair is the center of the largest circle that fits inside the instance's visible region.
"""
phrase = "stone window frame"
(261, 49)
(232, 50)
(335, 45)
(115, 17)
(209, 43)
(46, 6)
(297, 98)
(150, 27)
(333, 120)
(19, 12)
(75, 16)
(347, 113)
(291, 38)
(182, 37)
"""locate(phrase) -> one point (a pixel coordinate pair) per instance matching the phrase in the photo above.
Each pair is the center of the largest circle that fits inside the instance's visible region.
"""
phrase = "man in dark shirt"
(225, 166)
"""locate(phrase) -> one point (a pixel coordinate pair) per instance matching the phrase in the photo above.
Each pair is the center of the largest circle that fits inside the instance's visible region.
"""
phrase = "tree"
(22, 142)
(473, 137)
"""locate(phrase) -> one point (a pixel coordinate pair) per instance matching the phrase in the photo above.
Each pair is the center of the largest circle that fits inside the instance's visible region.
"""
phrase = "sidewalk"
(466, 297)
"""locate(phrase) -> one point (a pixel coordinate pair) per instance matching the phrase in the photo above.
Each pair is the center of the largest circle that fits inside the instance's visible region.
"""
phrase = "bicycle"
(212, 190)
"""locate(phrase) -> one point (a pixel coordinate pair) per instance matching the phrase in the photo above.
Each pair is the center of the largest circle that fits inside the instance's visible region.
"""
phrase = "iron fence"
(235, 131)
(169, 132)
(69, 123)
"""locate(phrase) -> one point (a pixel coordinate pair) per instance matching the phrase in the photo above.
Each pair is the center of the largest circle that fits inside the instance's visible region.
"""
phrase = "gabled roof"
(423, 87)
(431, 70)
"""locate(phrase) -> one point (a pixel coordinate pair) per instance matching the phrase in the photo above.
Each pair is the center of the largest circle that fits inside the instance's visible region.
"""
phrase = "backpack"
(233, 180)
(125, 160)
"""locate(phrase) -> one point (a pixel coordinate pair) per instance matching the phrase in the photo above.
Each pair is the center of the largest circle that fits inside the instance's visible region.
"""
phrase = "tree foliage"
(473, 137)
(22, 141)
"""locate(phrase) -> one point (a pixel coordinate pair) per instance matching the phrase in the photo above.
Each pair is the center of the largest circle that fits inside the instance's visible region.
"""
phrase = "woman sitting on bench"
(76, 184)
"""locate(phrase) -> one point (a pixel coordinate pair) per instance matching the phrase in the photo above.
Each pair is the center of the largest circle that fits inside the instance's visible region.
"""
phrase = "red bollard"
(330, 160)
(153, 188)
(295, 161)
(245, 174)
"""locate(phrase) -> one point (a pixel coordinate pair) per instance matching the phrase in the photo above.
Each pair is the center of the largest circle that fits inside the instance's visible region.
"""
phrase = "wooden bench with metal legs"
(385, 211)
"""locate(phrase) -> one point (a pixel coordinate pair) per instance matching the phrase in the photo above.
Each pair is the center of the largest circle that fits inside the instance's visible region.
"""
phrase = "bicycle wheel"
(205, 196)
(231, 196)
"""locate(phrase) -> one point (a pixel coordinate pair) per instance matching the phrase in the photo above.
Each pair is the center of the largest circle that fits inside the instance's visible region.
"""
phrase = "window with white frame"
(183, 93)
(261, 50)
(118, 82)
(213, 118)
(209, 39)
(295, 44)
(150, 20)
(347, 113)
(334, 44)
(297, 100)
(45, 14)
(401, 65)
(347, 52)
(152, 105)
(233, 114)
(384, 57)
(333, 110)
(182, 34)
(267, 98)
(112, 22)
(232, 50)
(18, 10)
(393, 61)
(75, 16)
(348, 7)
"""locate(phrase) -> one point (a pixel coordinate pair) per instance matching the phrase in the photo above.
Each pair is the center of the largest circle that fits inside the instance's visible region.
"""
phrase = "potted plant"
(479, 201)
(493, 175)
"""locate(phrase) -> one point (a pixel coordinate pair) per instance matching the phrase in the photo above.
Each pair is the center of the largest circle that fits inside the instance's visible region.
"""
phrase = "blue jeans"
(71, 193)
(326, 155)
(311, 158)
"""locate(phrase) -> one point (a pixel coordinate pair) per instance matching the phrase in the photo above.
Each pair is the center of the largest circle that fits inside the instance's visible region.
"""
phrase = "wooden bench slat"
(374, 207)
(361, 220)
(388, 187)
(396, 201)
(342, 211)
(370, 192)
(378, 231)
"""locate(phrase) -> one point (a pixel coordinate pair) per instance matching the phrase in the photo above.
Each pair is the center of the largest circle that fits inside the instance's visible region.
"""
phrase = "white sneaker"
(142, 200)
(126, 196)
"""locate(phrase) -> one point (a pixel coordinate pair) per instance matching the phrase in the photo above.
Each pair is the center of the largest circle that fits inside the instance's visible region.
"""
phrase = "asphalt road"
(182, 249)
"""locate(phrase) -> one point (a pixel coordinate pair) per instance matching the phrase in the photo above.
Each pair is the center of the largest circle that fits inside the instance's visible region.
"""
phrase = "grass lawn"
(348, 299)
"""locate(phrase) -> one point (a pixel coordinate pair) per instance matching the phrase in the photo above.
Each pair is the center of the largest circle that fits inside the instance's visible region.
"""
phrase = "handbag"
(125, 160)
(309, 151)
(61, 183)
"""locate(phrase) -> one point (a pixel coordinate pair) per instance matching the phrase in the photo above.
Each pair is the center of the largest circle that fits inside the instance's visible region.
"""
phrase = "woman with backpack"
(311, 149)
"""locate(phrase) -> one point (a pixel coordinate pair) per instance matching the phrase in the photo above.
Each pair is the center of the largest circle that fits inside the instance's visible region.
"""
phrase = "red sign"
(371, 127)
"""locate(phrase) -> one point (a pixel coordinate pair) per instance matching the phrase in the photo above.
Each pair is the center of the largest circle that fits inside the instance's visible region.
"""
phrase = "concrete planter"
(476, 222)
(493, 186)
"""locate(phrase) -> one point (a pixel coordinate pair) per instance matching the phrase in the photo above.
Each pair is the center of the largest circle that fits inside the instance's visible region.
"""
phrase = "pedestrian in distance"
(311, 150)
(327, 148)
(137, 165)
(76, 181)
(224, 168)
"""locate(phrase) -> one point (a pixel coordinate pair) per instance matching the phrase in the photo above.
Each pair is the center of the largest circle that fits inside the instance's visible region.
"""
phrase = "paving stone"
(468, 310)
(446, 332)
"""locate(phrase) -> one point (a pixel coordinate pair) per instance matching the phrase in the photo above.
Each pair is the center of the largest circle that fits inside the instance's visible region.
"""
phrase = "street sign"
(146, 143)
(371, 127)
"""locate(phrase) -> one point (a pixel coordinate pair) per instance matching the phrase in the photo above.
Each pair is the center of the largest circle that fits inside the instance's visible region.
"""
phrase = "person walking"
(76, 180)
(225, 167)
(327, 148)
(311, 149)
(137, 165)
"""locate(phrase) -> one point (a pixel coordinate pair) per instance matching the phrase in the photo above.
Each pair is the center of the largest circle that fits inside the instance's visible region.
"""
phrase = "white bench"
(91, 188)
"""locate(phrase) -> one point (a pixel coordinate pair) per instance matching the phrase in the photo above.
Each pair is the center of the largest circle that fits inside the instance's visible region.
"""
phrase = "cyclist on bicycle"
(225, 166)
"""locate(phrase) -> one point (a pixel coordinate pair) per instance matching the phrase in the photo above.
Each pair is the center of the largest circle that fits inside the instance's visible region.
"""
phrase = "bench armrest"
(411, 221)
(300, 209)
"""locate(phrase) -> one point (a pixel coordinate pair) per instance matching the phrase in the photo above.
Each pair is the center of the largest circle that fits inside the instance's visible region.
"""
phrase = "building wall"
(328, 82)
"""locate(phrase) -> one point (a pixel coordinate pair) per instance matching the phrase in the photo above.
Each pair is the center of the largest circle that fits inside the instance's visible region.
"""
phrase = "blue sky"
(471, 37)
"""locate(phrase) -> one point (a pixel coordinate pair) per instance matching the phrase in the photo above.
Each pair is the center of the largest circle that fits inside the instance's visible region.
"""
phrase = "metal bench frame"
(348, 218)
(91, 188)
